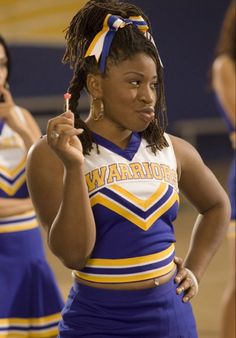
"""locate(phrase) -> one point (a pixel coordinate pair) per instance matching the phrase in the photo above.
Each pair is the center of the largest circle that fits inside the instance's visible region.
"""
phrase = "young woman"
(113, 182)
(30, 303)
(223, 81)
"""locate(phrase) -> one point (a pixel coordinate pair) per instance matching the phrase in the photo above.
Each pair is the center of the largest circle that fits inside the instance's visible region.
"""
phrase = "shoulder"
(186, 155)
(181, 147)
(223, 65)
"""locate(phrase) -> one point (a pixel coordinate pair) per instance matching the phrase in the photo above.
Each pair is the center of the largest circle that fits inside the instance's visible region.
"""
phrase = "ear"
(94, 85)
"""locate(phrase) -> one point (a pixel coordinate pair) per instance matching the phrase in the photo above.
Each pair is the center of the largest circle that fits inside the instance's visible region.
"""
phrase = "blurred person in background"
(223, 82)
(30, 302)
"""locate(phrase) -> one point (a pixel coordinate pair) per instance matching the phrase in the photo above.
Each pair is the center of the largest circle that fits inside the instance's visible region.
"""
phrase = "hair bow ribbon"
(101, 43)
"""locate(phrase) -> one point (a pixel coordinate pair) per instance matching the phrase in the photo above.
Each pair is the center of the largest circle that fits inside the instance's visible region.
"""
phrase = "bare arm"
(28, 131)
(223, 73)
(203, 190)
(14, 206)
(58, 189)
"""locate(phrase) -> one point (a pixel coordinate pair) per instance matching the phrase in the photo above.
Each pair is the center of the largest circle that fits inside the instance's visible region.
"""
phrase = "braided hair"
(87, 22)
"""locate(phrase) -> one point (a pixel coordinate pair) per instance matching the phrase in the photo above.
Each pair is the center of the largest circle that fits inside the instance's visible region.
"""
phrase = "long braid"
(154, 134)
(77, 84)
(83, 27)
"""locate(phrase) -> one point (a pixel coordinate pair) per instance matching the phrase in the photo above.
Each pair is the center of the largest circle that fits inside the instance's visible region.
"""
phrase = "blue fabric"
(228, 123)
(151, 313)
(128, 153)
(1, 125)
(232, 187)
(27, 285)
(110, 36)
(142, 213)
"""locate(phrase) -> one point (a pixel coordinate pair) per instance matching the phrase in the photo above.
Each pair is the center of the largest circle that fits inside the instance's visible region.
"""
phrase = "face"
(3, 66)
(129, 93)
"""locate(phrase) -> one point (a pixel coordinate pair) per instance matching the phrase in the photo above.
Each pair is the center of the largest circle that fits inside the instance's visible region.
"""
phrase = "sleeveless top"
(13, 177)
(134, 198)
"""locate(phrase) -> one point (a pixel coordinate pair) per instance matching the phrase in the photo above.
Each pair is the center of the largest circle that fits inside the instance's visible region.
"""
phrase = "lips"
(147, 114)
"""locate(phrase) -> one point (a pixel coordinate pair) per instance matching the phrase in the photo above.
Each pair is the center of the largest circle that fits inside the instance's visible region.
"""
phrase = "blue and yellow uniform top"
(13, 177)
(30, 302)
(134, 197)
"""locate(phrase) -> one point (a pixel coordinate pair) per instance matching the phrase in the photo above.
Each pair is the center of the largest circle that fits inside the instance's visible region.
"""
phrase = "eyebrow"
(137, 73)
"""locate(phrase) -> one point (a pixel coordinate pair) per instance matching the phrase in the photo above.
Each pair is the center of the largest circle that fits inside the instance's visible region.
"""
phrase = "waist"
(125, 270)
(139, 285)
(20, 222)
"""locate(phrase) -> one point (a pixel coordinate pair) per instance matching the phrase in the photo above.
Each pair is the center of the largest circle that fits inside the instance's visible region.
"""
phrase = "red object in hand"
(67, 96)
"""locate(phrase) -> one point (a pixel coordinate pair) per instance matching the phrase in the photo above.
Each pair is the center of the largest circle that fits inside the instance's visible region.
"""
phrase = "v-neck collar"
(127, 153)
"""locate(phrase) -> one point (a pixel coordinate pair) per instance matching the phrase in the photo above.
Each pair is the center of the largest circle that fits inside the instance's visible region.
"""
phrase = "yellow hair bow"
(101, 43)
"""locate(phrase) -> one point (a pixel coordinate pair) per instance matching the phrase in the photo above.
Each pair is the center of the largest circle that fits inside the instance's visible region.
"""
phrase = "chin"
(139, 129)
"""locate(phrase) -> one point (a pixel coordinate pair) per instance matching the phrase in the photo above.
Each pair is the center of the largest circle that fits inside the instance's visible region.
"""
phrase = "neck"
(116, 134)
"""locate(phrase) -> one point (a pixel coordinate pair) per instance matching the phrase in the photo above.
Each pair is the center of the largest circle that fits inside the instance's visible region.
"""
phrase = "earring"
(97, 109)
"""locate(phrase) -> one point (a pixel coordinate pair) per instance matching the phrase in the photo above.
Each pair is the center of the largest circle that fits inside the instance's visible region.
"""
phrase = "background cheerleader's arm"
(28, 131)
(223, 79)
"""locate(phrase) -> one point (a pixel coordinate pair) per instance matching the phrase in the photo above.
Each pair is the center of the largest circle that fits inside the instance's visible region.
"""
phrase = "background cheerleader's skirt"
(151, 313)
(30, 302)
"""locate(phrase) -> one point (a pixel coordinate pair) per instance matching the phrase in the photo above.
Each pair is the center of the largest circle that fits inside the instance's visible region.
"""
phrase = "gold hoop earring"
(97, 109)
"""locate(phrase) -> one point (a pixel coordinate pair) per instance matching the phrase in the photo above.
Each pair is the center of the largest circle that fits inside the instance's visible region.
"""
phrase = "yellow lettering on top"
(125, 171)
(156, 171)
(96, 178)
(174, 178)
(113, 174)
(147, 170)
(167, 173)
(137, 170)
(13, 141)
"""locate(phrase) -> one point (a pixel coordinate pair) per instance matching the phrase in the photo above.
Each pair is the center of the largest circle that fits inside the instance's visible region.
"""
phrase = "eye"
(154, 85)
(135, 83)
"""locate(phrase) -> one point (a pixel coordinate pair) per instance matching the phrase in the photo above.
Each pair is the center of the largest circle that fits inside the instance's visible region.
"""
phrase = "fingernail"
(185, 299)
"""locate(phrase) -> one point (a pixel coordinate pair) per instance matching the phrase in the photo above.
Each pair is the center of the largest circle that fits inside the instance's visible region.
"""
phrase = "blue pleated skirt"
(30, 301)
(151, 313)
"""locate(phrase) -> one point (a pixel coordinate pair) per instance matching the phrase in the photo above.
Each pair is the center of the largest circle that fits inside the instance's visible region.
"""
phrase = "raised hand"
(62, 137)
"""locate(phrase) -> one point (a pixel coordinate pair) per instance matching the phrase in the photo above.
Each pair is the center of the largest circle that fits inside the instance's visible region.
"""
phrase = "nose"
(147, 94)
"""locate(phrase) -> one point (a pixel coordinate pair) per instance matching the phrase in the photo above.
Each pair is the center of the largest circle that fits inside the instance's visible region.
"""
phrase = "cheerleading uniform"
(134, 198)
(30, 302)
